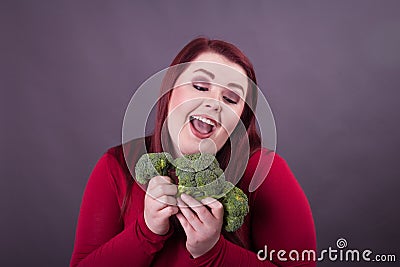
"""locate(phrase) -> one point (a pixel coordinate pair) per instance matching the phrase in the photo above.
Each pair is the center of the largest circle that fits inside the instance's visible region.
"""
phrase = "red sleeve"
(281, 219)
(101, 238)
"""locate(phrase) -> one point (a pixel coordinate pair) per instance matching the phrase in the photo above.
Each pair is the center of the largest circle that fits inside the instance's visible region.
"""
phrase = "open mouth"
(201, 126)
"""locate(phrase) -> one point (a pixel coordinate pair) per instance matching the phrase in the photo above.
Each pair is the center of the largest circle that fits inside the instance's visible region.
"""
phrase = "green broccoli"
(236, 207)
(152, 164)
(200, 176)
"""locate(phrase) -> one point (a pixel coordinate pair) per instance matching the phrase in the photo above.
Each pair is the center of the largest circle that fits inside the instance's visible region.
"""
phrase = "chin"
(190, 144)
(187, 151)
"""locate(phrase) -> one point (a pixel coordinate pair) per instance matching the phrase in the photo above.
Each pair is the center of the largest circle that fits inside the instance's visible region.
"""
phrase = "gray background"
(330, 71)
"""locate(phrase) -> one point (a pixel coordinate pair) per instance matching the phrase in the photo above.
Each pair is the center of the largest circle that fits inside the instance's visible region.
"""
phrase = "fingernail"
(180, 202)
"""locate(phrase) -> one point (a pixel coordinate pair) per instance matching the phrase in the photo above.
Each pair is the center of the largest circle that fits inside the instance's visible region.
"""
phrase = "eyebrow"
(212, 76)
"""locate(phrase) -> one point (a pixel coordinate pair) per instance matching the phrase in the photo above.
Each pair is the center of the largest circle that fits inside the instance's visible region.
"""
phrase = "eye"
(200, 88)
(231, 97)
(227, 99)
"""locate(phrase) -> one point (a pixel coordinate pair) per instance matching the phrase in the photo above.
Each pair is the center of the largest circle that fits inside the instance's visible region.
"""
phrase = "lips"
(202, 126)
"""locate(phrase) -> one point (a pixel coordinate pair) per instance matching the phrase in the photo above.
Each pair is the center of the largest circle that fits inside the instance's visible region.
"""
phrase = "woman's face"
(206, 104)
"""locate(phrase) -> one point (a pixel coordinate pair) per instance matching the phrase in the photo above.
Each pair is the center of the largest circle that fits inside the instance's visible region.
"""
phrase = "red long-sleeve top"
(279, 219)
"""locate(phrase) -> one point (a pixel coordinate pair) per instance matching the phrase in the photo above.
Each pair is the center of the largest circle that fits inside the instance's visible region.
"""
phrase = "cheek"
(239, 110)
(233, 117)
(183, 98)
(178, 109)
(176, 99)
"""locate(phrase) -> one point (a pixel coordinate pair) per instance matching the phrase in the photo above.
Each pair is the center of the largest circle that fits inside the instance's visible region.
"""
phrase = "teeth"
(205, 120)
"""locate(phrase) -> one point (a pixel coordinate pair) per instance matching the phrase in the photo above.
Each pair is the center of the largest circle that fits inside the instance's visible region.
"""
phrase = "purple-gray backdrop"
(330, 71)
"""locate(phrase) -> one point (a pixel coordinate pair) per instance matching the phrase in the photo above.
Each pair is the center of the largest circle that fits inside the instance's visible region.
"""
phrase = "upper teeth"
(205, 120)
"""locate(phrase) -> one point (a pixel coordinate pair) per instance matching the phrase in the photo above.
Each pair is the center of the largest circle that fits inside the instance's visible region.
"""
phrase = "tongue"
(201, 127)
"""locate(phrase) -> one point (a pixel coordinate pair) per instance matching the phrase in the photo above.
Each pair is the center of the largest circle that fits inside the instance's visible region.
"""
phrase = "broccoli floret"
(199, 176)
(236, 207)
(231, 224)
(152, 164)
(196, 162)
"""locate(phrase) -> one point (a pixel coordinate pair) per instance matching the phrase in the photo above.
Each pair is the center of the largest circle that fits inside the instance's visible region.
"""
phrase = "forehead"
(219, 59)
(221, 71)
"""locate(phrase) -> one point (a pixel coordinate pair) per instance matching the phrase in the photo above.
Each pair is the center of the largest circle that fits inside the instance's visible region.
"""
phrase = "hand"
(202, 227)
(160, 204)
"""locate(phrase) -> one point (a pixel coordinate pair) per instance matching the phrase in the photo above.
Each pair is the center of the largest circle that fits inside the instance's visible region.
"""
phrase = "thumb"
(217, 209)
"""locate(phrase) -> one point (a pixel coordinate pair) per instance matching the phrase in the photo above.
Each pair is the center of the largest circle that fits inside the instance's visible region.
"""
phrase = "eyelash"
(200, 88)
(203, 89)
(227, 99)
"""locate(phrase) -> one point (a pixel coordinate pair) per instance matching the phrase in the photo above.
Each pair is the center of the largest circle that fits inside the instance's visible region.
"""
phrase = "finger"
(201, 211)
(158, 180)
(162, 202)
(164, 189)
(189, 215)
(169, 211)
(187, 227)
(167, 200)
(154, 204)
(164, 179)
(217, 209)
(190, 201)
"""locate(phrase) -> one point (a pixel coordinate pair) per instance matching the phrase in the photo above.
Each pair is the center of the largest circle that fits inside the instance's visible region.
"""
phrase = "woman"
(122, 225)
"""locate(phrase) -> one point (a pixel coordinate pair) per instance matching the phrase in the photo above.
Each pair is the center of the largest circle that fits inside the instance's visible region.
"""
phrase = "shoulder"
(266, 158)
(114, 155)
(275, 187)
(125, 155)
(111, 160)
(273, 179)
(111, 174)
(264, 167)
(109, 171)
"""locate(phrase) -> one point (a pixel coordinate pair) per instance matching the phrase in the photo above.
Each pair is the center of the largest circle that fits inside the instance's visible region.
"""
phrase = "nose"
(213, 103)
